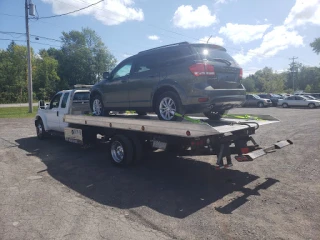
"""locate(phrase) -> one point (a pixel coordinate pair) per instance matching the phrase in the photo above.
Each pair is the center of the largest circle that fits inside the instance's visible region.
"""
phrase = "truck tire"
(121, 151)
(167, 104)
(212, 115)
(41, 132)
(97, 106)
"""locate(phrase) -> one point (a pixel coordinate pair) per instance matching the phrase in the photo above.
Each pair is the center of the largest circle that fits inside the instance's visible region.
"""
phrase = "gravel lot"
(55, 190)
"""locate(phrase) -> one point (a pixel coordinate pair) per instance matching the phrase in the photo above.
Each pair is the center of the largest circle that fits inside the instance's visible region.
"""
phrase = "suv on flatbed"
(178, 78)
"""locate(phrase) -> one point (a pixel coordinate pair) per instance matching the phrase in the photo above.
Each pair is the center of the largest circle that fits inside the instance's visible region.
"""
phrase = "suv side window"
(174, 55)
(64, 100)
(55, 101)
(290, 98)
(144, 64)
(123, 70)
(299, 98)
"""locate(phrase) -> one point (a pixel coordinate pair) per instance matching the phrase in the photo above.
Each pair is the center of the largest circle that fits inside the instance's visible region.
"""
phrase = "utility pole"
(30, 91)
(293, 66)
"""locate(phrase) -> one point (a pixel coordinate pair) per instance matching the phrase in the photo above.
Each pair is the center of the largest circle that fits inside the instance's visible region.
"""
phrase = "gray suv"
(177, 78)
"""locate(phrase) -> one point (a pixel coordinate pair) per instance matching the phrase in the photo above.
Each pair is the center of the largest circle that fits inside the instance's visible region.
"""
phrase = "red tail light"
(202, 69)
(240, 73)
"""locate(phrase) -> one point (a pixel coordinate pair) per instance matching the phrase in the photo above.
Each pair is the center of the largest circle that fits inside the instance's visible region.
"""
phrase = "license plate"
(73, 135)
(159, 144)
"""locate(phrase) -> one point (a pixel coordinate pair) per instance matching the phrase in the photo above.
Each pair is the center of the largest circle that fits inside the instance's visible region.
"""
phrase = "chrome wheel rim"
(167, 108)
(39, 129)
(117, 151)
(97, 107)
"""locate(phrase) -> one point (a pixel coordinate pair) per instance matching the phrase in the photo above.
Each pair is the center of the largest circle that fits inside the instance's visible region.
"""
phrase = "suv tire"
(167, 104)
(97, 106)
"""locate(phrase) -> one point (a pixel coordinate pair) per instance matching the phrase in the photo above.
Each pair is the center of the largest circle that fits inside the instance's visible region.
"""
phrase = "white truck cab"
(50, 116)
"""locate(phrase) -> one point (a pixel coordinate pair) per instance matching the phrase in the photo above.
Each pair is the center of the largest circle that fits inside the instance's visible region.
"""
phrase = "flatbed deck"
(150, 124)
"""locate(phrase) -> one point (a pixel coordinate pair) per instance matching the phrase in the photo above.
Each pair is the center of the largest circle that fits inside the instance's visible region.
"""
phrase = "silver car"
(298, 101)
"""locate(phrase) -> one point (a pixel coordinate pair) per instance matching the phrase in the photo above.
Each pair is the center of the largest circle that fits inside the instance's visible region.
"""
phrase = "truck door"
(53, 113)
(63, 110)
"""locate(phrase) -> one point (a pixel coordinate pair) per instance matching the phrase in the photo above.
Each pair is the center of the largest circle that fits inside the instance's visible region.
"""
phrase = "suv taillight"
(240, 73)
(202, 69)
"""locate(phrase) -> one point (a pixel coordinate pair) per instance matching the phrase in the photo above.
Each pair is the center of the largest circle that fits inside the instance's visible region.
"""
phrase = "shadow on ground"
(173, 186)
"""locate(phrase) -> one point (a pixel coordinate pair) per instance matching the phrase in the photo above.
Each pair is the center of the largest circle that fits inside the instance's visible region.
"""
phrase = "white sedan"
(298, 101)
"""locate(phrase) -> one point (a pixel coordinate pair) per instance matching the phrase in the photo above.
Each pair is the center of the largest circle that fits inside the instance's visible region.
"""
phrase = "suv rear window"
(211, 53)
(81, 96)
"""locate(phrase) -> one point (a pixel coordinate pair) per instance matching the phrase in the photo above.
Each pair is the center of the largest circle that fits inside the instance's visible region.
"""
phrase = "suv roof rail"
(165, 46)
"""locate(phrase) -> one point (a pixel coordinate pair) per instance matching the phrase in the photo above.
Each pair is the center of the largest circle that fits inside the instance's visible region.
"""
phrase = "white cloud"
(266, 19)
(125, 55)
(213, 40)
(186, 17)
(243, 33)
(278, 39)
(109, 12)
(154, 37)
(304, 11)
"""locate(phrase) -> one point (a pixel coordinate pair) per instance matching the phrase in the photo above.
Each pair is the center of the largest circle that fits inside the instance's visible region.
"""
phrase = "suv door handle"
(152, 76)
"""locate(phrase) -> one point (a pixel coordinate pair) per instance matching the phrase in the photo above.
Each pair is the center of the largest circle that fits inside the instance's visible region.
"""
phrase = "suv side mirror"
(106, 75)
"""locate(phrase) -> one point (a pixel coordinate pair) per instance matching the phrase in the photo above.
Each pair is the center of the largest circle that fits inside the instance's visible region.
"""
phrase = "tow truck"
(129, 136)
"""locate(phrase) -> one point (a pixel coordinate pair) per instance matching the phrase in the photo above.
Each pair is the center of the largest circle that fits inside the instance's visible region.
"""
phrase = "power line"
(17, 33)
(59, 15)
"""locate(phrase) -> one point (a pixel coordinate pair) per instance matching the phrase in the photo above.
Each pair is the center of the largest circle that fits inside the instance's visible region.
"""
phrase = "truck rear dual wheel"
(125, 151)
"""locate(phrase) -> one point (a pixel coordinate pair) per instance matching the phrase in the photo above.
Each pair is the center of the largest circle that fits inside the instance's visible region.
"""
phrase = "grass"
(17, 112)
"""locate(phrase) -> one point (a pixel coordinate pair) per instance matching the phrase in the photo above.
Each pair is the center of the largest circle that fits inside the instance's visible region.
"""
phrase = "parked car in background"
(273, 97)
(254, 100)
(310, 97)
(298, 101)
(177, 78)
(316, 95)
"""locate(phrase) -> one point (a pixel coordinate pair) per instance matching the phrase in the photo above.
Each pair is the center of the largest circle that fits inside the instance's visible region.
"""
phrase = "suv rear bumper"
(218, 100)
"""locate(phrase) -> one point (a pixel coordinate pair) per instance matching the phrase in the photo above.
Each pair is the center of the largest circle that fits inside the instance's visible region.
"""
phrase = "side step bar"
(262, 151)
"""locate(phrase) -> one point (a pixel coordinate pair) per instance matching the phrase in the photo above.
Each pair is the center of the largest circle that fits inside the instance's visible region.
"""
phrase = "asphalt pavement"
(56, 190)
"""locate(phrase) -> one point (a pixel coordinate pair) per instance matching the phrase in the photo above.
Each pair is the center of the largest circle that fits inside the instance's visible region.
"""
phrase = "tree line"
(298, 77)
(83, 58)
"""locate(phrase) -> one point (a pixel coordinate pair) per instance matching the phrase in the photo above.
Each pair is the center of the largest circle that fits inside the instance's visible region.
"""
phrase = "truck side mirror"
(42, 104)
(106, 75)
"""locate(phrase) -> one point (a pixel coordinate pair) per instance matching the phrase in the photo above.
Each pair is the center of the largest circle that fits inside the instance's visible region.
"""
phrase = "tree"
(13, 74)
(45, 75)
(316, 45)
(84, 57)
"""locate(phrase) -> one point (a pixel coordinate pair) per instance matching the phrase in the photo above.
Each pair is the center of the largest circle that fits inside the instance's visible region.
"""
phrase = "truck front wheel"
(41, 133)
(121, 150)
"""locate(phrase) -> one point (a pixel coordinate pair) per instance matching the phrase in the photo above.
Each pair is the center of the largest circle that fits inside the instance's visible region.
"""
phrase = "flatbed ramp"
(192, 136)
(184, 128)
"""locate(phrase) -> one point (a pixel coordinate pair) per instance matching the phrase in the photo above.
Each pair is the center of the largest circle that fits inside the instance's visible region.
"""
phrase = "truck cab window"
(64, 100)
(55, 101)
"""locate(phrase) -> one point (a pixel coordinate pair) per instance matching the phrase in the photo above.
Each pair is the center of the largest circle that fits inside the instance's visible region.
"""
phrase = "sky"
(256, 33)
